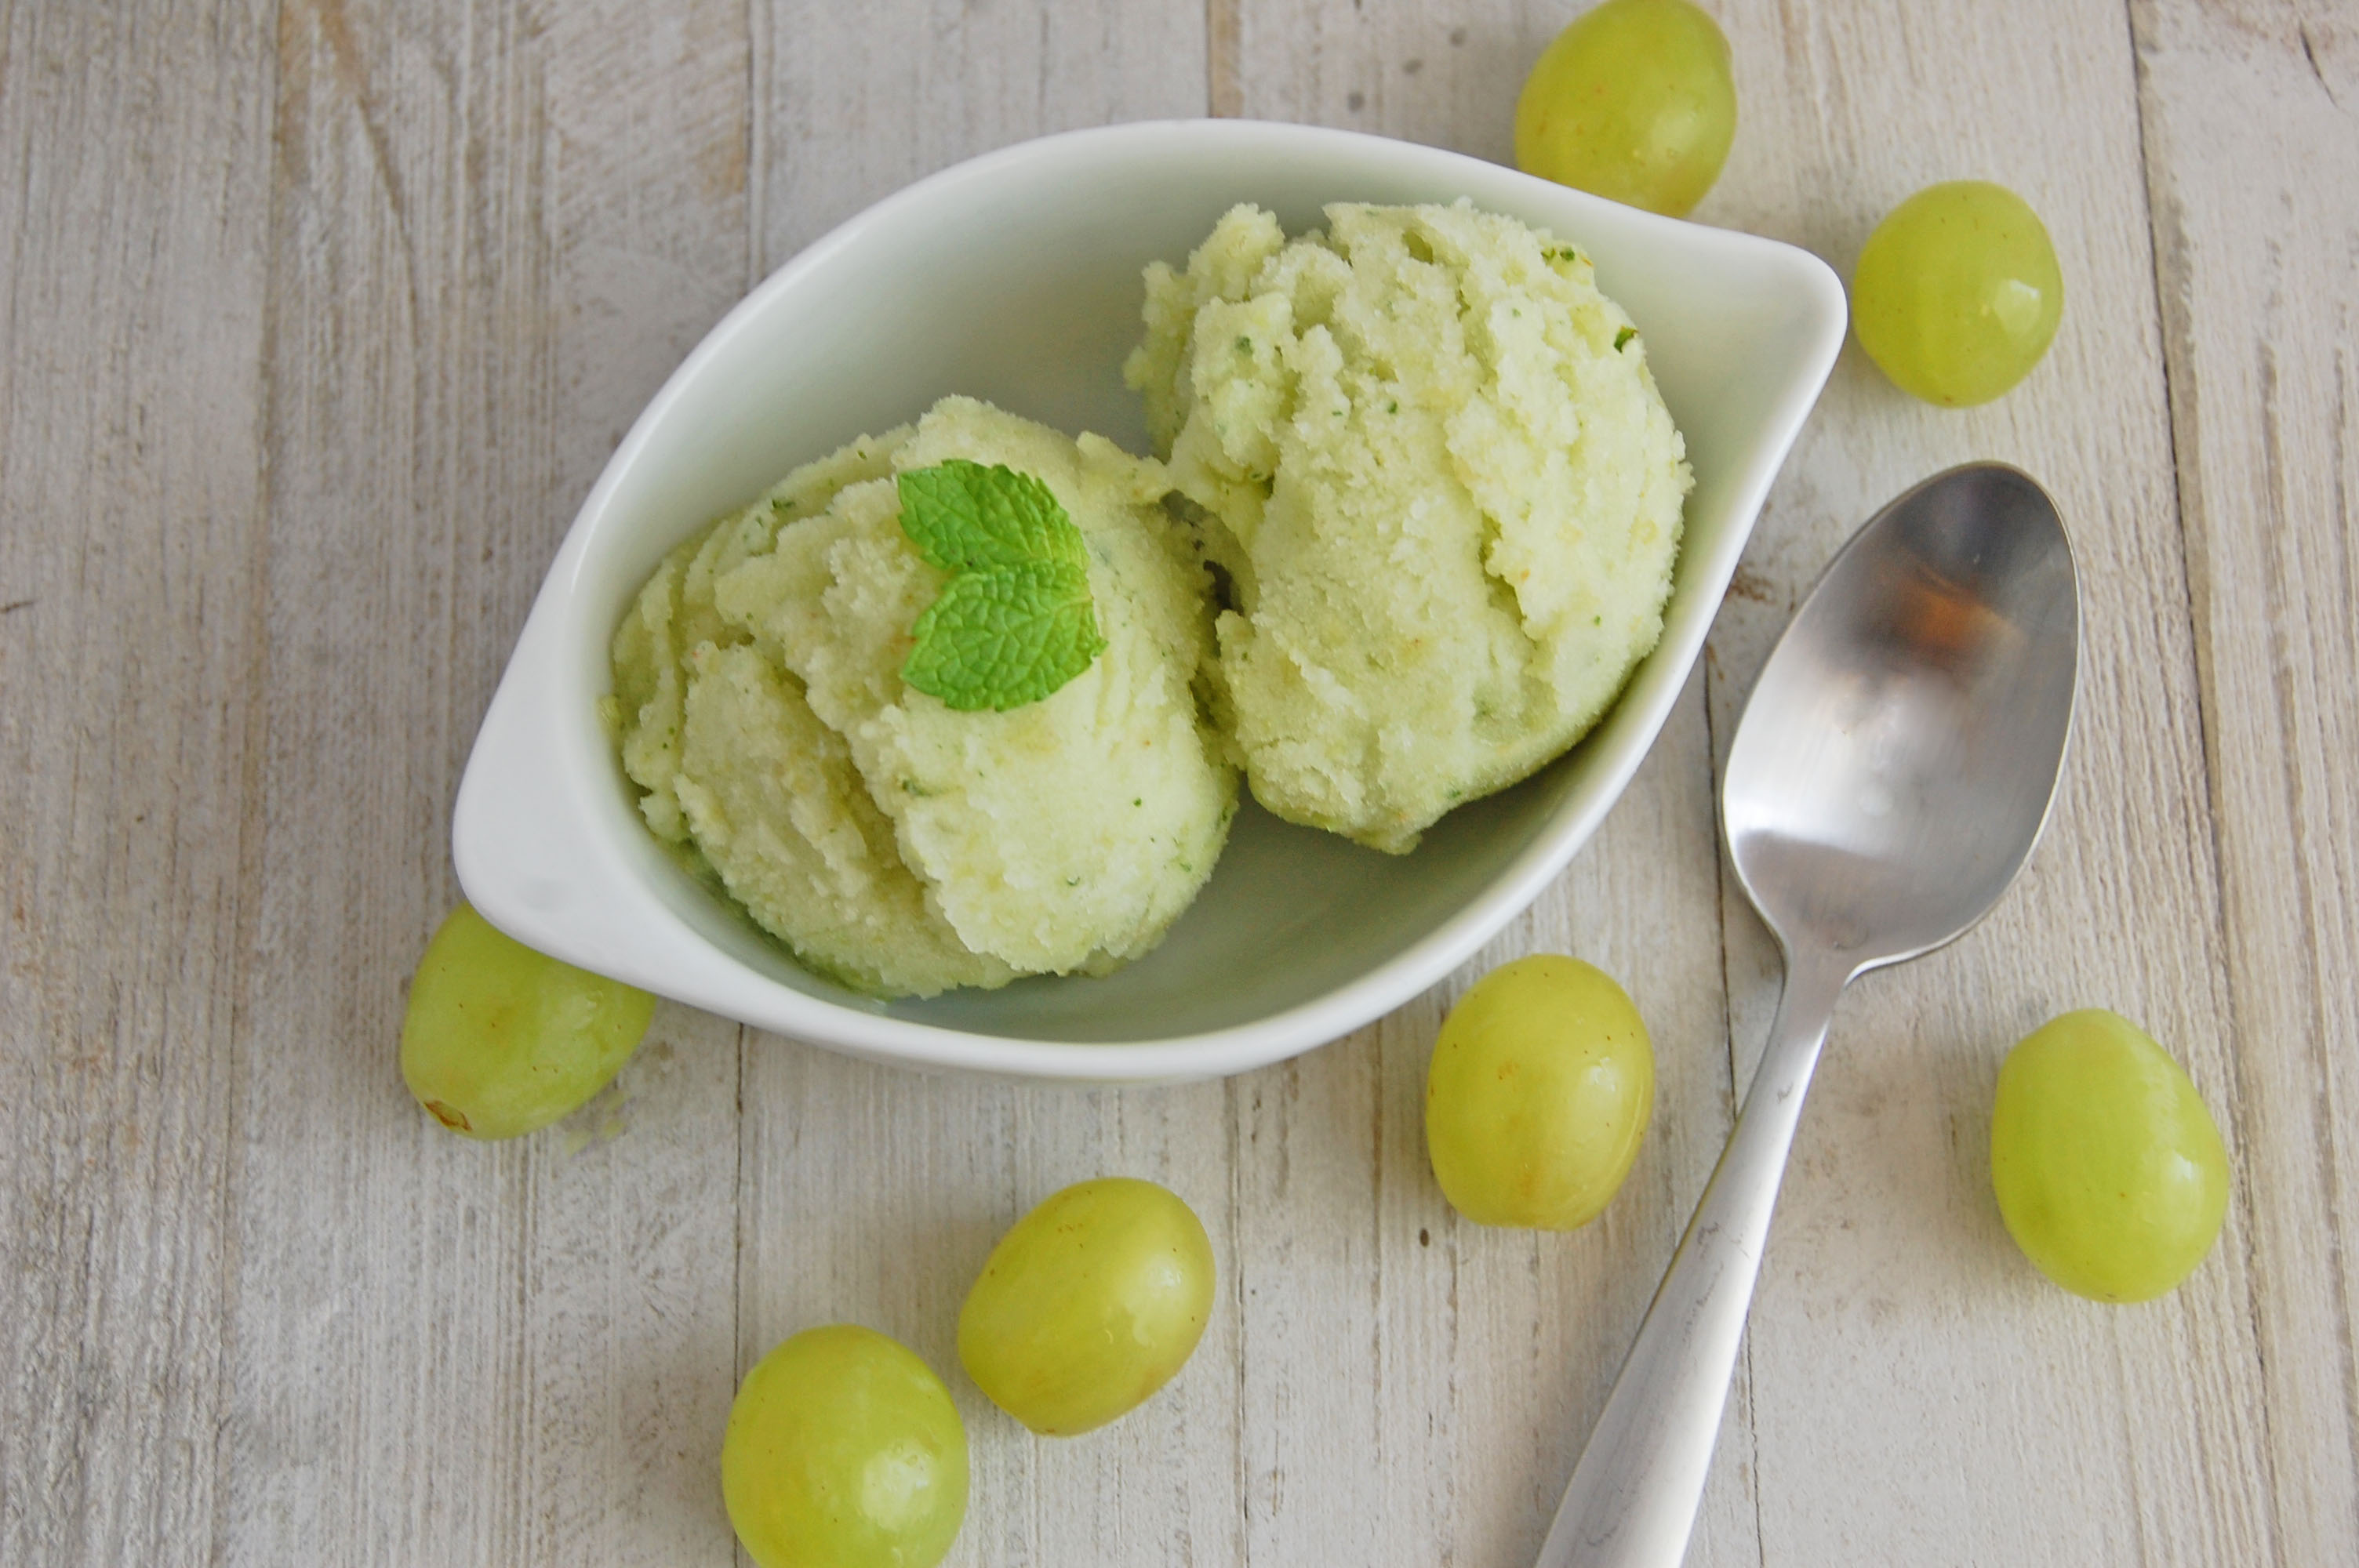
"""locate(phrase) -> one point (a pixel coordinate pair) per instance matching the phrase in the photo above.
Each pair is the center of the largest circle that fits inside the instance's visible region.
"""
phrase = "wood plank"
(495, 233)
(852, 104)
(1443, 74)
(1493, 1350)
(2252, 135)
(630, 1269)
(1417, 1385)
(133, 181)
(1919, 1391)
(872, 1195)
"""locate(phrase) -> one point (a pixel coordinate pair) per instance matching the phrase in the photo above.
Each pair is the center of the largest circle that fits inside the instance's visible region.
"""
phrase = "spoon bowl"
(1893, 769)
(1898, 754)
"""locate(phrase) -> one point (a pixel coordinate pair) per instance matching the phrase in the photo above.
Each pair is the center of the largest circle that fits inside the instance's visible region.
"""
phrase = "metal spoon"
(1892, 771)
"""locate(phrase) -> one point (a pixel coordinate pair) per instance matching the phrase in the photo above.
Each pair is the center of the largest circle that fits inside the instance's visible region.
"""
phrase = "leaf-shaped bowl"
(1015, 277)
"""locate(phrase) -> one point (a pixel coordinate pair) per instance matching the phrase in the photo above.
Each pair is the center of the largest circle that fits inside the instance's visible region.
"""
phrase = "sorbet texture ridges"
(892, 842)
(1443, 485)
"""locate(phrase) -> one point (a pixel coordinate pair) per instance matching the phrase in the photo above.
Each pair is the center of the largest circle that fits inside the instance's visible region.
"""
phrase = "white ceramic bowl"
(1015, 277)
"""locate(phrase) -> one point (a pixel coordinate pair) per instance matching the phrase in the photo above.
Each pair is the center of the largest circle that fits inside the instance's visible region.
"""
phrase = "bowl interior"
(1016, 278)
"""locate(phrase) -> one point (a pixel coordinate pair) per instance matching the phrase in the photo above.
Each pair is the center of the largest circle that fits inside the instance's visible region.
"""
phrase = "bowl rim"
(482, 824)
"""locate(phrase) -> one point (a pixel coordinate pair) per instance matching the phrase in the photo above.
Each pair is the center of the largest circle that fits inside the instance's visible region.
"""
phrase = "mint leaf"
(963, 516)
(1004, 637)
(1015, 621)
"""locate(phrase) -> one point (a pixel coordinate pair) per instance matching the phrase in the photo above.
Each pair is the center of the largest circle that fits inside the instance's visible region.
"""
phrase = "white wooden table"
(322, 315)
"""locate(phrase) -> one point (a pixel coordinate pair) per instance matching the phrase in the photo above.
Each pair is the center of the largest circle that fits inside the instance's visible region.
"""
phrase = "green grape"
(1957, 294)
(1089, 1304)
(844, 1451)
(1541, 1083)
(2109, 1170)
(500, 1040)
(1632, 102)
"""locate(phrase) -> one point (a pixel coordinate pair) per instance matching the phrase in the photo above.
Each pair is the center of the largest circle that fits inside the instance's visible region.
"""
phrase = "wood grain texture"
(321, 317)
(1443, 74)
(2252, 133)
(853, 102)
(134, 186)
(441, 1351)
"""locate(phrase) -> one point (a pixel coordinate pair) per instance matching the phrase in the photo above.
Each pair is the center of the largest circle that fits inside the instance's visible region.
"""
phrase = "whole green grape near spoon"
(2109, 1170)
(1957, 294)
(1539, 1093)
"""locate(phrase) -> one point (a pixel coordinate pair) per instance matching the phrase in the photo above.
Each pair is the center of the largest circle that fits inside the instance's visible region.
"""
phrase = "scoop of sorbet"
(895, 843)
(1443, 489)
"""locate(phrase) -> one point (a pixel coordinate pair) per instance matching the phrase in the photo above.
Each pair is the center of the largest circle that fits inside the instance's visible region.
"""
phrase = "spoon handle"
(1632, 1500)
